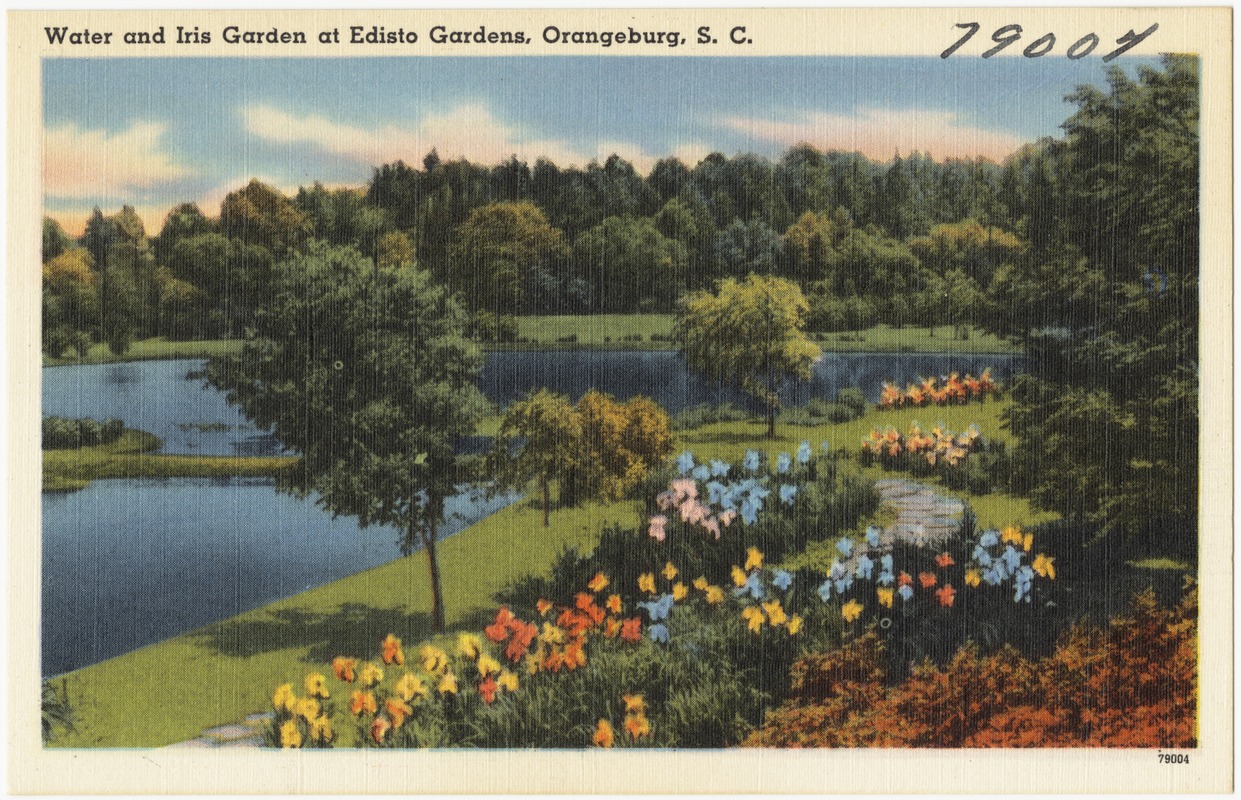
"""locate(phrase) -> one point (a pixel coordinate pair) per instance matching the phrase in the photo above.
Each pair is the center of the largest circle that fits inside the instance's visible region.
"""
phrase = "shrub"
(707, 414)
(69, 434)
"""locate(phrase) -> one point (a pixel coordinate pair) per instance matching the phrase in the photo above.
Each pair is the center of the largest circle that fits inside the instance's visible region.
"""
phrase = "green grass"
(909, 339)
(593, 331)
(151, 350)
(172, 691)
(131, 456)
(1160, 563)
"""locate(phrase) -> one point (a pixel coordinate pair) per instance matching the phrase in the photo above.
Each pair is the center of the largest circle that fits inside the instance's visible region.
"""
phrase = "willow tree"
(750, 333)
(364, 371)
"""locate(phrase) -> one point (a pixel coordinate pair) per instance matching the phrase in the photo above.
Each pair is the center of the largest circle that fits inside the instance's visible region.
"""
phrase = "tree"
(751, 333)
(745, 247)
(55, 240)
(630, 265)
(540, 437)
(70, 303)
(365, 372)
(260, 215)
(621, 442)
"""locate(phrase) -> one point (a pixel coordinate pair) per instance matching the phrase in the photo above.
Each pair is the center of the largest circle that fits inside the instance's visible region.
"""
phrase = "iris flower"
(803, 453)
(701, 472)
(604, 735)
(738, 575)
(885, 597)
(398, 709)
(658, 609)
(1045, 566)
(469, 646)
(370, 674)
(885, 562)
(905, 591)
(989, 538)
(982, 556)
(614, 604)
(825, 590)
(646, 582)
(749, 511)
(944, 560)
(886, 578)
(507, 681)
(753, 616)
(283, 697)
(487, 665)
(679, 591)
(782, 580)
(345, 669)
(787, 493)
(795, 623)
(448, 684)
(361, 701)
(872, 536)
(865, 567)
(392, 652)
(701, 583)
(598, 583)
(851, 610)
(379, 728)
(659, 633)
(946, 595)
(845, 546)
(972, 577)
(715, 595)
(1012, 558)
(775, 613)
(670, 570)
(753, 559)
(843, 583)
(719, 468)
(290, 736)
(685, 462)
(715, 492)
(410, 686)
(752, 460)
(783, 462)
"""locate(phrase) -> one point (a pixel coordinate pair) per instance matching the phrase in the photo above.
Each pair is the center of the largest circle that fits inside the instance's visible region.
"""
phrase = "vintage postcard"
(642, 400)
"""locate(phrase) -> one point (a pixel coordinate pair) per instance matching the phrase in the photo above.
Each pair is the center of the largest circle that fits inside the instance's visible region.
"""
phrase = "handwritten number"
(973, 29)
(1040, 46)
(1129, 41)
(1090, 40)
(1003, 39)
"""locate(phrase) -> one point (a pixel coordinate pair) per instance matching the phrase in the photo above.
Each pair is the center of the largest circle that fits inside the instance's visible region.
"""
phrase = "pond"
(127, 563)
(155, 396)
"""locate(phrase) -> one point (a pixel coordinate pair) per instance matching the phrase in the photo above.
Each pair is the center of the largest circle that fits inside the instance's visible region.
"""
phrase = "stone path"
(923, 519)
(248, 733)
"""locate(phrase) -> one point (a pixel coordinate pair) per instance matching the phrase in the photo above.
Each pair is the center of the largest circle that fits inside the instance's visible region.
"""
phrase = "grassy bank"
(132, 456)
(151, 350)
(886, 339)
(172, 691)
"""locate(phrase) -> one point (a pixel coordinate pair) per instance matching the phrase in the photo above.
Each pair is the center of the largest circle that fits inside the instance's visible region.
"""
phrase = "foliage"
(60, 433)
(71, 307)
(629, 265)
(540, 438)
(955, 390)
(750, 333)
(1131, 685)
(621, 443)
(57, 715)
(365, 373)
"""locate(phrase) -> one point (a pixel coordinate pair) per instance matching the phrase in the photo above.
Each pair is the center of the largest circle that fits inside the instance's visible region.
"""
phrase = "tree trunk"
(546, 498)
(771, 417)
(437, 594)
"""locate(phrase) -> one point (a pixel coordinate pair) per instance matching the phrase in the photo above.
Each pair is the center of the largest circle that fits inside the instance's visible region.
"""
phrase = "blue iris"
(837, 569)
(803, 453)
(719, 468)
(827, 447)
(685, 462)
(845, 546)
(659, 633)
(989, 538)
(751, 460)
(658, 609)
(982, 556)
(715, 492)
(1012, 558)
(843, 583)
(906, 592)
(886, 578)
(782, 580)
(749, 511)
(783, 462)
(701, 472)
(885, 562)
(787, 493)
(865, 567)
(872, 535)
(825, 590)
(752, 586)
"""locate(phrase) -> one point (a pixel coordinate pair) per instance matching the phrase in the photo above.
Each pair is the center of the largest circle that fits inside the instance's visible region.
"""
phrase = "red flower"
(927, 579)
(631, 629)
(904, 580)
(946, 595)
(487, 689)
(944, 560)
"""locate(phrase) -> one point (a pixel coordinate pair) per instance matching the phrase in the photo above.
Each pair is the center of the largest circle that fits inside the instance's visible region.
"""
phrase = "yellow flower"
(1028, 542)
(604, 735)
(487, 665)
(307, 709)
(507, 681)
(646, 582)
(469, 646)
(321, 729)
(598, 583)
(679, 590)
(1045, 566)
(370, 674)
(715, 595)
(448, 684)
(851, 610)
(290, 736)
(738, 576)
(551, 634)
(885, 596)
(283, 698)
(753, 615)
(753, 559)
(316, 685)
(434, 660)
(1011, 535)
(398, 710)
(410, 686)
(794, 625)
(775, 614)
(670, 571)
(701, 584)
(361, 701)
(972, 577)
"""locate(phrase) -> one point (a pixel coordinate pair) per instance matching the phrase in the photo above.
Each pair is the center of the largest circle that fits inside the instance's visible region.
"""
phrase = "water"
(127, 563)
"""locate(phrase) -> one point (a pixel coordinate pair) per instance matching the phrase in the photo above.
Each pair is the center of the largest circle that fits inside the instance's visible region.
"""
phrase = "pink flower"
(713, 525)
(686, 488)
(657, 527)
(693, 512)
(666, 500)
(727, 517)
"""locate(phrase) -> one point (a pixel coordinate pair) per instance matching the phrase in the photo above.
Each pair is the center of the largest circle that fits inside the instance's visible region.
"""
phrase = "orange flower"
(634, 703)
(379, 729)
(637, 725)
(392, 653)
(487, 689)
(344, 668)
(523, 635)
(612, 628)
(598, 583)
(904, 579)
(946, 595)
(498, 630)
(361, 701)
(543, 607)
(398, 709)
(614, 604)
(604, 735)
(944, 560)
(927, 579)
(631, 629)
(574, 655)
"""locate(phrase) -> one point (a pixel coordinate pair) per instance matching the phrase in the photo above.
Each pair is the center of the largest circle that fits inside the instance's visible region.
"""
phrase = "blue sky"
(156, 132)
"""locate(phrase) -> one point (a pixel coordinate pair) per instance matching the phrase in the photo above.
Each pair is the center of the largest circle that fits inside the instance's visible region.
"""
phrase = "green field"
(152, 350)
(886, 339)
(132, 456)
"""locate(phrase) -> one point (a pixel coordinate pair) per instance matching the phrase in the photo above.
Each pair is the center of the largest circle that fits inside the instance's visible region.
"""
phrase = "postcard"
(620, 401)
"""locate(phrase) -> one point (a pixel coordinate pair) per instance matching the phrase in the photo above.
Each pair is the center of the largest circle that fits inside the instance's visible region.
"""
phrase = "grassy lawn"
(131, 456)
(152, 350)
(173, 690)
(593, 331)
(886, 339)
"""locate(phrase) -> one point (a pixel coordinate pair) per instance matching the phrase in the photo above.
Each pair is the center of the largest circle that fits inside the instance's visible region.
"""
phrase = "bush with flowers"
(953, 390)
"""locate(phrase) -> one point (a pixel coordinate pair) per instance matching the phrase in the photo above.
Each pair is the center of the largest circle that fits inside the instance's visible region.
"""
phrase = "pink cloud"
(83, 163)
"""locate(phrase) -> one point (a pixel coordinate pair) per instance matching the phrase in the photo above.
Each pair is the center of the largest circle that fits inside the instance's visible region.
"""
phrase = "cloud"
(83, 163)
(878, 134)
(468, 131)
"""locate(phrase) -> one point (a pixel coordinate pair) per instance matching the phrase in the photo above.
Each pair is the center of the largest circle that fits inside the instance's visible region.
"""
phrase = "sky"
(153, 133)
